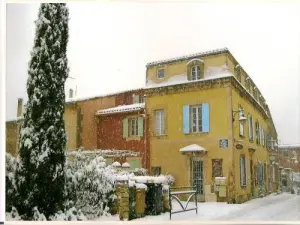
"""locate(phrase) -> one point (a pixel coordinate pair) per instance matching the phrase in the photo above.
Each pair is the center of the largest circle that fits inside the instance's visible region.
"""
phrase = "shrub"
(89, 189)
(12, 215)
(10, 182)
(140, 172)
(170, 179)
(90, 185)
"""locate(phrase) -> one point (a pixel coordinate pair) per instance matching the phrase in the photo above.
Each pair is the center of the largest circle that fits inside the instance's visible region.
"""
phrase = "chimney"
(71, 93)
(20, 107)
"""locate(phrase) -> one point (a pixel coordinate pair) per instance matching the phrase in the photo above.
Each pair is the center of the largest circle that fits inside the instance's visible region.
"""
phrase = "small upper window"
(238, 73)
(255, 94)
(161, 73)
(195, 72)
(248, 85)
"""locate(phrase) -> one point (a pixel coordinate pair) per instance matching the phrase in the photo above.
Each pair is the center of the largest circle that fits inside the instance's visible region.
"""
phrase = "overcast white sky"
(110, 44)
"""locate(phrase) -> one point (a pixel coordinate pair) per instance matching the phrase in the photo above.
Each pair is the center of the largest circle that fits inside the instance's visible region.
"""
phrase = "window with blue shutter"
(196, 118)
(186, 119)
(205, 117)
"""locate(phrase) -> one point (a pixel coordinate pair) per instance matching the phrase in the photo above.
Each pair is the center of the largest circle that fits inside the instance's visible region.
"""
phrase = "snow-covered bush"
(37, 216)
(71, 214)
(170, 179)
(10, 182)
(140, 172)
(90, 185)
(12, 215)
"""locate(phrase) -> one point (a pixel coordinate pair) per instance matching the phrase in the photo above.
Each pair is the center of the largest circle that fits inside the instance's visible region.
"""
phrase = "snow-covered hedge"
(170, 179)
(71, 214)
(90, 185)
(89, 188)
(140, 172)
(10, 170)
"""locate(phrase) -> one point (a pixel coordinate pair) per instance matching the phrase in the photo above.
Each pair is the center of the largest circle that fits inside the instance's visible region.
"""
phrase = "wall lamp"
(242, 118)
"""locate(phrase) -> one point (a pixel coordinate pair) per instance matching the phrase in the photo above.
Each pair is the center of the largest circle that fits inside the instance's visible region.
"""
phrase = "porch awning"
(193, 148)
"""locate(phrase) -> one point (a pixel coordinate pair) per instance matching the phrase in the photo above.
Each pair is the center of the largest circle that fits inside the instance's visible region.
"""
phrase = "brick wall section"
(284, 159)
(110, 130)
(110, 136)
(89, 123)
(126, 97)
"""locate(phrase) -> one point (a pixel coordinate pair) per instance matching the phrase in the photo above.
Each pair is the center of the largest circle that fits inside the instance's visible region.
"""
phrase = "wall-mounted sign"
(239, 146)
(224, 143)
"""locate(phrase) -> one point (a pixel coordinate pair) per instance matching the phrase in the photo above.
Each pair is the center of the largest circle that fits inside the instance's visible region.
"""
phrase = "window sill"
(196, 133)
(133, 138)
(160, 136)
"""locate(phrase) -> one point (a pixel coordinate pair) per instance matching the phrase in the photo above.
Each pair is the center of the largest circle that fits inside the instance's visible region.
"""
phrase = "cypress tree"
(40, 175)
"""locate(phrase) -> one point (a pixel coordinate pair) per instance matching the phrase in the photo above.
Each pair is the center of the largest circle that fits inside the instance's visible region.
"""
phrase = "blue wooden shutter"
(140, 127)
(125, 128)
(186, 119)
(205, 117)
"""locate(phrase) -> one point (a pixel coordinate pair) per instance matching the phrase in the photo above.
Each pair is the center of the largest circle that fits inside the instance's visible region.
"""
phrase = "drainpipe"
(230, 195)
(146, 151)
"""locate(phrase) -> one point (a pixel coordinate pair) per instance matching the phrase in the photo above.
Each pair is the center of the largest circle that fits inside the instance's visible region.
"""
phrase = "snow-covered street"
(274, 207)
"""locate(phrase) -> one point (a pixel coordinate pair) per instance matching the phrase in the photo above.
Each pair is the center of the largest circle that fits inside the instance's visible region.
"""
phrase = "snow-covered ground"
(274, 207)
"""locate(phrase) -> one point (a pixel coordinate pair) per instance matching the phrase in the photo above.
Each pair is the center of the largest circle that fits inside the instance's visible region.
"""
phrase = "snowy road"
(272, 208)
(282, 207)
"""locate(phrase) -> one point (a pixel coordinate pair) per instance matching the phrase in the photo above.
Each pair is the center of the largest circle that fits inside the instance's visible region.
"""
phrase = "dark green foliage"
(40, 175)
(153, 199)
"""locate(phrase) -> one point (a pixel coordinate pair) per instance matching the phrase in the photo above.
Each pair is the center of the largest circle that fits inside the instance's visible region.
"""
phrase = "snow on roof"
(121, 108)
(212, 52)
(15, 119)
(193, 148)
(106, 153)
(141, 186)
(72, 100)
(289, 146)
(182, 79)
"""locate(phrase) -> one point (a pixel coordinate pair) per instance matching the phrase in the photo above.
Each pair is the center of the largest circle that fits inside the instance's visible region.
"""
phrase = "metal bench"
(173, 192)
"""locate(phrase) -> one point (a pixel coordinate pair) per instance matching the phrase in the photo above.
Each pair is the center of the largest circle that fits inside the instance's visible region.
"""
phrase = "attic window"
(160, 73)
(238, 72)
(247, 85)
(195, 73)
(255, 93)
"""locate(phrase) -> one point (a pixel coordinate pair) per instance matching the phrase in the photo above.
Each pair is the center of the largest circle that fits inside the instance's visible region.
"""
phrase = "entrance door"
(197, 177)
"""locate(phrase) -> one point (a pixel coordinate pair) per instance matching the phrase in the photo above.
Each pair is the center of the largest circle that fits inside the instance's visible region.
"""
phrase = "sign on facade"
(224, 143)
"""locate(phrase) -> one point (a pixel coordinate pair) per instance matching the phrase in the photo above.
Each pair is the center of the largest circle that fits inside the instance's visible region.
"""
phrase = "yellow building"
(72, 117)
(208, 119)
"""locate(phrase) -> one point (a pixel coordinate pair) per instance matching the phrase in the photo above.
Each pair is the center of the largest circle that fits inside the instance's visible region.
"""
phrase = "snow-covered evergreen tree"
(40, 176)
